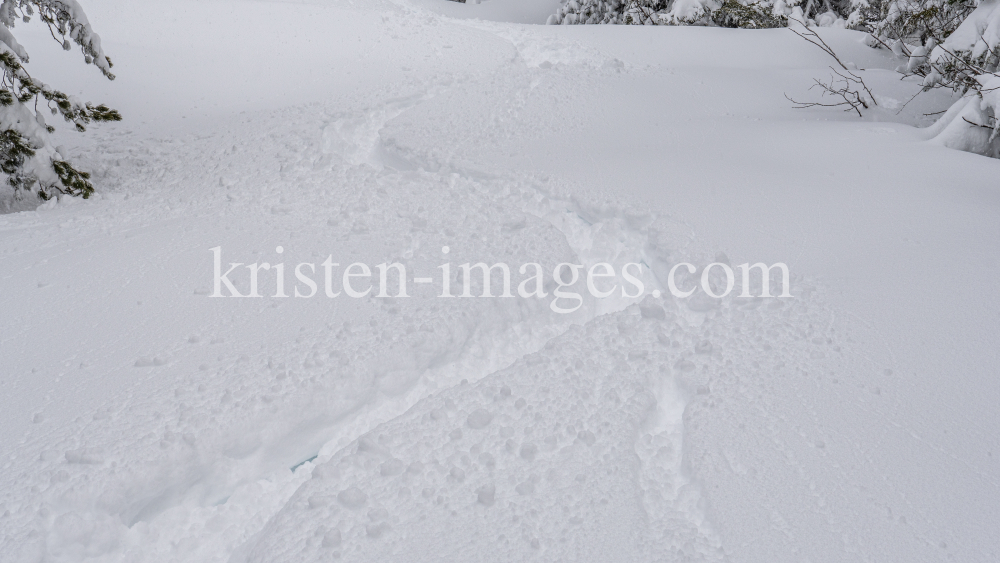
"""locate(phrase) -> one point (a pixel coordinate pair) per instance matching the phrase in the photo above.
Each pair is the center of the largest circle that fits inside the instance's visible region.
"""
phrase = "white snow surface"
(143, 421)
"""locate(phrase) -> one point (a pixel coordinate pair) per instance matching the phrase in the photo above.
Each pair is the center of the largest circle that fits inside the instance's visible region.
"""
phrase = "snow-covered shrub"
(644, 12)
(952, 44)
(750, 14)
(913, 21)
(27, 156)
(966, 61)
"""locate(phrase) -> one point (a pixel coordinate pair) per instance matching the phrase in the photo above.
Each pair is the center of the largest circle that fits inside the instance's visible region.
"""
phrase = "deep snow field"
(143, 421)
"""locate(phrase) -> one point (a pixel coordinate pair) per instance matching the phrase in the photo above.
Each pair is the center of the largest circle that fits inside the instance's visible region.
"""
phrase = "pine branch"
(27, 158)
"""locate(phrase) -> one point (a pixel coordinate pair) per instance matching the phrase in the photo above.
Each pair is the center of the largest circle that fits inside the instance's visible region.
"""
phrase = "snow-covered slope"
(145, 421)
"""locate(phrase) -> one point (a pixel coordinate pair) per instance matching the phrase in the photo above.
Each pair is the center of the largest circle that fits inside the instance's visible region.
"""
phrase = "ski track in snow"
(407, 430)
(195, 474)
(215, 462)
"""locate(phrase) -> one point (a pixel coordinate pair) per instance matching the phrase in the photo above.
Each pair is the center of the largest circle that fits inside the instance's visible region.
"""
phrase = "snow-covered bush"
(953, 44)
(27, 156)
(752, 15)
(914, 21)
(748, 14)
(608, 12)
(966, 61)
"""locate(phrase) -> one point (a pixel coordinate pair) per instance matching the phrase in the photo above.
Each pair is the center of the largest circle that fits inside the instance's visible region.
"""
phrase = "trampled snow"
(144, 421)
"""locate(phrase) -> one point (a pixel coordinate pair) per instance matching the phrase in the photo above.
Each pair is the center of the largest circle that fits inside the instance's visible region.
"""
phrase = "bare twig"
(913, 97)
(814, 38)
(974, 124)
(845, 89)
(850, 87)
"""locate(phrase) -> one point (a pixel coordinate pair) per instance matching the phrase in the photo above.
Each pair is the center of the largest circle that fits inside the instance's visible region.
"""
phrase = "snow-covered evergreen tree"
(27, 156)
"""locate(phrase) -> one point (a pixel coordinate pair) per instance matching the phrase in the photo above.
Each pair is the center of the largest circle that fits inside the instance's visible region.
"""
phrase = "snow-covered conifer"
(27, 156)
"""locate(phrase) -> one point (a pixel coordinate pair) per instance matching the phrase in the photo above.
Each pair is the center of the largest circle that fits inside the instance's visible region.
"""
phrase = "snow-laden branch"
(27, 156)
